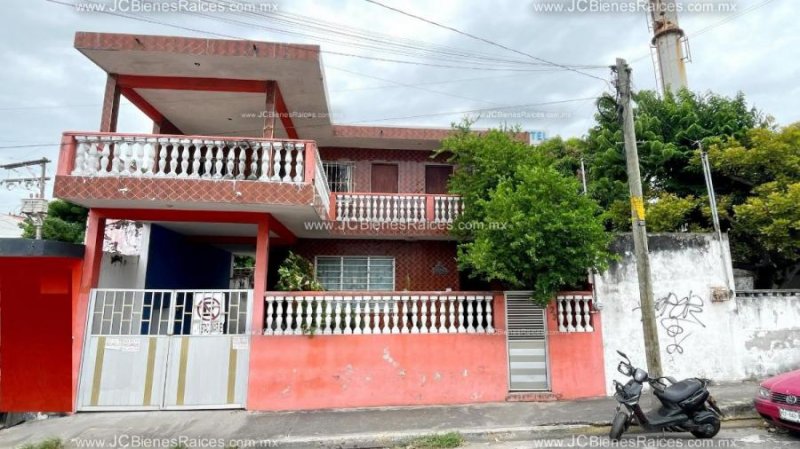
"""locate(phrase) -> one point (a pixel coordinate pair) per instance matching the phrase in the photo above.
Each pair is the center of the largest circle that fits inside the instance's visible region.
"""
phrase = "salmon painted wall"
(321, 372)
(36, 297)
(576, 359)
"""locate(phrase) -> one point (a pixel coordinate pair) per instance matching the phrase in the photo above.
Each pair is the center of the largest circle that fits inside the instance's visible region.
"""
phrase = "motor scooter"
(686, 406)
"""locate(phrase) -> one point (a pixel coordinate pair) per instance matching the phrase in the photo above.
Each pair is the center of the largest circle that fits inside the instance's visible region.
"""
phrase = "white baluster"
(376, 311)
(162, 155)
(395, 314)
(587, 314)
(218, 155)
(270, 319)
(183, 155)
(460, 303)
(308, 312)
(289, 315)
(173, 158)
(328, 315)
(93, 165)
(105, 152)
(208, 159)
(277, 158)
(318, 302)
(254, 161)
(80, 156)
(367, 317)
(479, 314)
(194, 157)
(241, 156)
(414, 315)
(386, 317)
(423, 315)
(443, 314)
(339, 201)
(489, 318)
(437, 210)
(357, 329)
(451, 308)
(229, 159)
(434, 328)
(470, 328)
(116, 161)
(279, 321)
(338, 315)
(348, 316)
(266, 150)
(138, 151)
(570, 315)
(299, 174)
(560, 314)
(150, 156)
(287, 163)
(361, 211)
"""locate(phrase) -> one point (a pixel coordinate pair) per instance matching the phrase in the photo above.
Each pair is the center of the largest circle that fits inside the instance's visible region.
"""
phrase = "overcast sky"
(48, 87)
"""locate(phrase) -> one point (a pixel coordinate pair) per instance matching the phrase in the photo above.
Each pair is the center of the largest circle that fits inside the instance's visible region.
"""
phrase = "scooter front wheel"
(618, 426)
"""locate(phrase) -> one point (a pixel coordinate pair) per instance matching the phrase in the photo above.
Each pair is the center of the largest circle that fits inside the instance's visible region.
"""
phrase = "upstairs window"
(340, 176)
(375, 273)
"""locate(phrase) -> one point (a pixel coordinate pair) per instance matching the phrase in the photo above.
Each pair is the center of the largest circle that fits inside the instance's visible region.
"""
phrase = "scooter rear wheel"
(708, 430)
(618, 426)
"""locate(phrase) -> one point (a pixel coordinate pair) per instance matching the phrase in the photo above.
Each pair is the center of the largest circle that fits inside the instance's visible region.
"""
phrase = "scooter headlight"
(764, 393)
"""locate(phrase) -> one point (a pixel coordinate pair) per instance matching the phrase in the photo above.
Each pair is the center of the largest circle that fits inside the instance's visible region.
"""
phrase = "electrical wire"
(487, 41)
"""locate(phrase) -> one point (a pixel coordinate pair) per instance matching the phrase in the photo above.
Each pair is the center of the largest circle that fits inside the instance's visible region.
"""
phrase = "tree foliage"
(65, 222)
(296, 274)
(765, 167)
(525, 223)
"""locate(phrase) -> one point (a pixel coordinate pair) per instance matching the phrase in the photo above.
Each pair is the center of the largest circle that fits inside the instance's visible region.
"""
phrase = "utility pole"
(34, 208)
(712, 202)
(651, 346)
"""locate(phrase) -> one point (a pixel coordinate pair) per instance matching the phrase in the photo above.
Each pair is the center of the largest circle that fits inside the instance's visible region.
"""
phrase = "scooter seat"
(679, 391)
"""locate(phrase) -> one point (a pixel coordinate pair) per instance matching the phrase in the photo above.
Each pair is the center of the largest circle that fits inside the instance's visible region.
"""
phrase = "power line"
(229, 36)
(472, 36)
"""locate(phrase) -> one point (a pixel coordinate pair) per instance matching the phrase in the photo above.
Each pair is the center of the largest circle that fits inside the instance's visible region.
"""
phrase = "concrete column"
(260, 276)
(108, 119)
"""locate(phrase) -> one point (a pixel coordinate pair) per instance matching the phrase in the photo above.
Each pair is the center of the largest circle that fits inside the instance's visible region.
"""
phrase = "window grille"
(340, 176)
(375, 273)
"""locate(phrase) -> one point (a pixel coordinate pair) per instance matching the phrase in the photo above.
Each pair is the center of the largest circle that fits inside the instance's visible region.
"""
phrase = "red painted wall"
(414, 261)
(411, 165)
(36, 361)
(576, 359)
(302, 373)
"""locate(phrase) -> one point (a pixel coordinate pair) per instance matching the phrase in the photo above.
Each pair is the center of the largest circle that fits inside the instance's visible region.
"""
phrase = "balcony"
(283, 177)
(192, 172)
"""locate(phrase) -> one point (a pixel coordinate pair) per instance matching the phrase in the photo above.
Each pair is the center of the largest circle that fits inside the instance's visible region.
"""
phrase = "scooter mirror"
(622, 354)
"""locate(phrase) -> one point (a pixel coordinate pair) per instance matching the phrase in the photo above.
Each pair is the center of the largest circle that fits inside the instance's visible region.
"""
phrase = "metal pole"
(712, 202)
(42, 179)
(651, 345)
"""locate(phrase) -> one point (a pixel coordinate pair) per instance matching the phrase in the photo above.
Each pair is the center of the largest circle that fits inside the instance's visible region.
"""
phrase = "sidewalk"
(376, 427)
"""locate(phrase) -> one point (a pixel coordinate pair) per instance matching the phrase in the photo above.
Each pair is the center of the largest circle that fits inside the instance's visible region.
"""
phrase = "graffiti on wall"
(677, 315)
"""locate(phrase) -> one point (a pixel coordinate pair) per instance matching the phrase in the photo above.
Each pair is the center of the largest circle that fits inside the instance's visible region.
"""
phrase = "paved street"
(740, 438)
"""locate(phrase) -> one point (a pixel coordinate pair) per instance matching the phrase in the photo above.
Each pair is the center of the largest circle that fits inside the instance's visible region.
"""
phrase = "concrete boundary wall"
(751, 336)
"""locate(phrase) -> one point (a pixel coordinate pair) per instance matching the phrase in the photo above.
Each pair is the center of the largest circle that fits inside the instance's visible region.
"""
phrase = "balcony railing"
(392, 208)
(197, 157)
(358, 313)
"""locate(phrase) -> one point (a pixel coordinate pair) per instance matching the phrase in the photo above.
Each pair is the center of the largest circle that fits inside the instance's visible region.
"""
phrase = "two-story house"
(245, 160)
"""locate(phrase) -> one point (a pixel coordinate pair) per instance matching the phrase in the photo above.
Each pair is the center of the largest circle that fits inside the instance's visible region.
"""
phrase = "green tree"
(65, 222)
(525, 223)
(668, 131)
(765, 229)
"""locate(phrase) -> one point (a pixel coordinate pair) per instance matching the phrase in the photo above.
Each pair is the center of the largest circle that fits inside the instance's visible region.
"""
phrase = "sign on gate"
(208, 314)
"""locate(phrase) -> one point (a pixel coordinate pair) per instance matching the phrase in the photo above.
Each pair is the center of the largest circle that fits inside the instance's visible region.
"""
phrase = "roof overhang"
(210, 87)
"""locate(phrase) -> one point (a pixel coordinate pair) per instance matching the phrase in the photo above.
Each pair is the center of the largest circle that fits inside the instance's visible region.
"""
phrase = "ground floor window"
(355, 272)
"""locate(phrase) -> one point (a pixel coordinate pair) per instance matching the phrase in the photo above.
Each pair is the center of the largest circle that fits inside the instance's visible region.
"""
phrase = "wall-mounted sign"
(208, 314)
(537, 137)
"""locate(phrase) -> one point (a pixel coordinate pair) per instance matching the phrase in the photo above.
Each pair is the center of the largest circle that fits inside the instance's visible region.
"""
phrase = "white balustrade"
(353, 314)
(574, 313)
(447, 208)
(397, 208)
(198, 158)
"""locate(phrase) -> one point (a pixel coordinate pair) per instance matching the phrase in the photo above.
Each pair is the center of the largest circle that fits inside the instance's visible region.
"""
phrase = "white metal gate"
(527, 343)
(165, 349)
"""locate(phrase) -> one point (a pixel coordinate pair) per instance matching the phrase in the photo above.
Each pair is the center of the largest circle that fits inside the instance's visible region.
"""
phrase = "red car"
(778, 401)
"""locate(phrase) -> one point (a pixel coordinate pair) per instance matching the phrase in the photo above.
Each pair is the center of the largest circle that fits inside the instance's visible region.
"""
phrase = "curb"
(737, 414)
